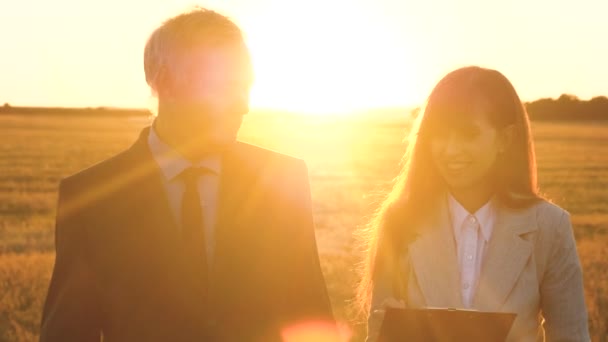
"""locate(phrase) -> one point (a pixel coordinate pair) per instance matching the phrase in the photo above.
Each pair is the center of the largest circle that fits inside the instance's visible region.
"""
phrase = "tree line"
(568, 107)
(565, 107)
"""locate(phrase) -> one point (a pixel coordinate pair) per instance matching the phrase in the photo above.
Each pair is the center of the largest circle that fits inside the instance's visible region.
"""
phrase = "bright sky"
(314, 55)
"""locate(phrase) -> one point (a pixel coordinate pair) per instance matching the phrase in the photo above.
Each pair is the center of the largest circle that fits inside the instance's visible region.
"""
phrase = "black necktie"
(193, 233)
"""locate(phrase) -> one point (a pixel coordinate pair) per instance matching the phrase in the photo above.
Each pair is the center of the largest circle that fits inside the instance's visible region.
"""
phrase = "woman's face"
(465, 154)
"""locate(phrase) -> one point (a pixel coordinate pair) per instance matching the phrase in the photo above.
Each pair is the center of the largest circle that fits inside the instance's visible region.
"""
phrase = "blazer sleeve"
(382, 292)
(71, 311)
(389, 290)
(306, 291)
(562, 294)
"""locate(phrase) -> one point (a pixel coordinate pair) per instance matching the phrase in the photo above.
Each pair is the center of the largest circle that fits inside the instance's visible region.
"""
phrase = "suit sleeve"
(70, 312)
(562, 295)
(306, 289)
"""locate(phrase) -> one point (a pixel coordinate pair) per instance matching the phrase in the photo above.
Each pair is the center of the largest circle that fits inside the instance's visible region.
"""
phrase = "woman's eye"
(468, 132)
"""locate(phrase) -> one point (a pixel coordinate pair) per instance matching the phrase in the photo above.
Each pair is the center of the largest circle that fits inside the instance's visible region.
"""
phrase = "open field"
(351, 162)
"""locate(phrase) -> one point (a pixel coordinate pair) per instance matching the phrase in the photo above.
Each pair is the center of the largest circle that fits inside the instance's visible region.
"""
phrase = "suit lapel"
(506, 256)
(434, 259)
(236, 181)
(234, 233)
(147, 194)
(150, 233)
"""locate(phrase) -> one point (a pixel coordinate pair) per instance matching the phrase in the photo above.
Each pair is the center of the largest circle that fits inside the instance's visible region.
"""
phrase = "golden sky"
(315, 55)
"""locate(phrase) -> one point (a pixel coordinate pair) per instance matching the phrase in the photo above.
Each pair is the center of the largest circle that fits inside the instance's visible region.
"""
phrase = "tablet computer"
(435, 324)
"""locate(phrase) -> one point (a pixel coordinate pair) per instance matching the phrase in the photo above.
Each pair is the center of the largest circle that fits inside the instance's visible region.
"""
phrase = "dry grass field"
(351, 162)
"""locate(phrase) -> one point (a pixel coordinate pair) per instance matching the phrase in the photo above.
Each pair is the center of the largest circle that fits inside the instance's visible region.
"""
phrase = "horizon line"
(261, 108)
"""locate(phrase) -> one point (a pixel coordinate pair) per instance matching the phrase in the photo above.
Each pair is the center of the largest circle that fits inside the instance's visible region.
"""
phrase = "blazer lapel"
(506, 256)
(435, 263)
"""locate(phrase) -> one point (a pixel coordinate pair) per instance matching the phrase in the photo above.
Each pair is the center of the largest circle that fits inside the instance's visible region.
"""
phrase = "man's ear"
(507, 135)
(162, 83)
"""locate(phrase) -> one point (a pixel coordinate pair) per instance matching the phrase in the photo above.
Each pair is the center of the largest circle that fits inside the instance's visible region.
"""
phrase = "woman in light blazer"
(465, 226)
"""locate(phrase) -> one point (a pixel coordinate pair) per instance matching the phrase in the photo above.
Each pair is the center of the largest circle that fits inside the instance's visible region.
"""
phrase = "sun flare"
(329, 66)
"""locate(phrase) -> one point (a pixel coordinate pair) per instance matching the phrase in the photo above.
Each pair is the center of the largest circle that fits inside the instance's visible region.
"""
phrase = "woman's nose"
(452, 145)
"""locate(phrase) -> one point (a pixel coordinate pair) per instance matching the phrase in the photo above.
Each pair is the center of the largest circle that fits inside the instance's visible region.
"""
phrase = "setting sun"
(315, 56)
(329, 65)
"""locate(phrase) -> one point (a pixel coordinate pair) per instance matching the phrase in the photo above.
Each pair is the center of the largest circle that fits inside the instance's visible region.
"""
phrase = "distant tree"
(599, 101)
(6, 108)
(598, 106)
(568, 98)
(599, 98)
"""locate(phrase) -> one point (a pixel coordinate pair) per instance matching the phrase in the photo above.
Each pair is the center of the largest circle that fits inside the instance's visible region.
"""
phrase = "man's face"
(208, 93)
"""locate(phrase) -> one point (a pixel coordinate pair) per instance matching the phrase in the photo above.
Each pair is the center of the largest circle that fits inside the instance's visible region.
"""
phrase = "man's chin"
(221, 145)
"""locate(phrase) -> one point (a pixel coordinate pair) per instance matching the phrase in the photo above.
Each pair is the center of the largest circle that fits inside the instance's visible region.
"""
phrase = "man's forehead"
(231, 55)
(213, 63)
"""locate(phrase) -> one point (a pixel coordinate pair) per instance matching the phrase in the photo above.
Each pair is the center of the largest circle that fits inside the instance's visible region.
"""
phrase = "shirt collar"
(485, 215)
(172, 163)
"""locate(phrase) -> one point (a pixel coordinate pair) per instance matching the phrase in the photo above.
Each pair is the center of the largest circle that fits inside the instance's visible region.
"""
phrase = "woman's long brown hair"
(418, 185)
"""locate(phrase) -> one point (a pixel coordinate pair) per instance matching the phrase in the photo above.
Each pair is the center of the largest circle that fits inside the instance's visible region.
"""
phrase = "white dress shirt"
(171, 165)
(471, 233)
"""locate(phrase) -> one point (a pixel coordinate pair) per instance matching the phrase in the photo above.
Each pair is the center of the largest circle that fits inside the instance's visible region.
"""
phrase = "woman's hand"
(377, 316)
(391, 302)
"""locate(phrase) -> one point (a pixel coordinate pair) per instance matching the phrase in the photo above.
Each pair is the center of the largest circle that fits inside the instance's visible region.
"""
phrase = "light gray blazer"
(531, 268)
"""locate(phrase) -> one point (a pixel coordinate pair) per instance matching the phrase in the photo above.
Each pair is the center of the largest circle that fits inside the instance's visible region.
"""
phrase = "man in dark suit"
(188, 235)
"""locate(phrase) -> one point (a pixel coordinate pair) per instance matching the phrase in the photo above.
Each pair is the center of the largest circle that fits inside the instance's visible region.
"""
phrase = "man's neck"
(191, 149)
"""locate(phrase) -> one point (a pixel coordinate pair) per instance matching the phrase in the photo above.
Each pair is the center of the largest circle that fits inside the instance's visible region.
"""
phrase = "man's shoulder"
(101, 172)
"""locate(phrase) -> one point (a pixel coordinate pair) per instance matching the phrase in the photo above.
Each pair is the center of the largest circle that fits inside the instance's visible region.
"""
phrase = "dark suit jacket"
(120, 271)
